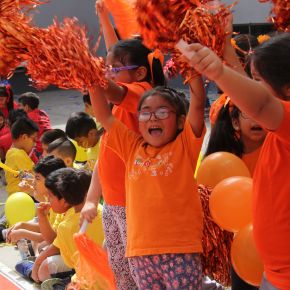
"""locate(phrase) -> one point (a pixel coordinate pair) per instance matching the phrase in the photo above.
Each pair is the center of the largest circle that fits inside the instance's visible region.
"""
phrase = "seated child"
(67, 189)
(5, 135)
(83, 129)
(24, 133)
(31, 230)
(64, 149)
(48, 137)
(29, 102)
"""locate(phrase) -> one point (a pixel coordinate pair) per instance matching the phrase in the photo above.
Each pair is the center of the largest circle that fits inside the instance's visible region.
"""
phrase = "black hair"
(6, 91)
(30, 99)
(175, 98)
(52, 134)
(23, 126)
(133, 52)
(14, 115)
(64, 146)
(272, 61)
(70, 184)
(223, 136)
(48, 164)
(246, 44)
(79, 124)
(1, 114)
(87, 99)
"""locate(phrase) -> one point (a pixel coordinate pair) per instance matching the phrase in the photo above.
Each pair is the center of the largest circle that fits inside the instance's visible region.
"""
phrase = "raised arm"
(250, 96)
(101, 107)
(229, 54)
(109, 33)
(90, 208)
(196, 107)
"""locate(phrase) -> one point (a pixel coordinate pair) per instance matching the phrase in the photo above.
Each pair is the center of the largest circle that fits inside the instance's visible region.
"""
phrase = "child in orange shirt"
(129, 77)
(164, 214)
(266, 102)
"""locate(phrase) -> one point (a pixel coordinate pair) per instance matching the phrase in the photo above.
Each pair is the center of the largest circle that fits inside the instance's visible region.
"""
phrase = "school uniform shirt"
(55, 218)
(271, 205)
(110, 167)
(164, 213)
(251, 159)
(41, 118)
(16, 159)
(68, 227)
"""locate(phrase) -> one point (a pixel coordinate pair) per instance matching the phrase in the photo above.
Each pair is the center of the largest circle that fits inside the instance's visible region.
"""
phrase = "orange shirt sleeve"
(119, 139)
(133, 95)
(283, 131)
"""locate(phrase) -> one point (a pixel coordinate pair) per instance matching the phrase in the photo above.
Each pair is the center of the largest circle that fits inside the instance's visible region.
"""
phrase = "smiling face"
(155, 131)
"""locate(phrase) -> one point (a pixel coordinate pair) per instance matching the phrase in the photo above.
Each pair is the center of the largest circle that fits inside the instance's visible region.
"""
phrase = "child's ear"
(180, 122)
(141, 73)
(236, 124)
(68, 162)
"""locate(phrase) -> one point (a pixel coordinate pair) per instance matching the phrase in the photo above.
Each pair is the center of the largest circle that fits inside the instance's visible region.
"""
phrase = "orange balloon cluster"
(230, 206)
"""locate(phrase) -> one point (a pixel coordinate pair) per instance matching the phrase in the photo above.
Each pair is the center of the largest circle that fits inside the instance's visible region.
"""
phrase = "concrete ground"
(58, 104)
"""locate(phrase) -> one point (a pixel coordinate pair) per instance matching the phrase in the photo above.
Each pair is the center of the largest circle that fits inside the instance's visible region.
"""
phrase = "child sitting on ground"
(48, 137)
(67, 189)
(24, 133)
(64, 149)
(83, 129)
(31, 230)
(29, 102)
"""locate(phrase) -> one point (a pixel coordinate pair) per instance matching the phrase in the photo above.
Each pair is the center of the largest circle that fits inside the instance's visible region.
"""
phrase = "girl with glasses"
(164, 214)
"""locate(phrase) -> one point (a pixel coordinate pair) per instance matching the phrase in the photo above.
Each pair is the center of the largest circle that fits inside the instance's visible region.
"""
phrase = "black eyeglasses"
(159, 114)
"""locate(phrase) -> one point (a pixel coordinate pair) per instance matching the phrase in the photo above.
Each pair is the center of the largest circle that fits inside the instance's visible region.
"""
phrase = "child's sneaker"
(24, 268)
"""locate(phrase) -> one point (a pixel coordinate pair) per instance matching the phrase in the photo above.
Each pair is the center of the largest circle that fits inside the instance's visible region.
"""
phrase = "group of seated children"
(48, 157)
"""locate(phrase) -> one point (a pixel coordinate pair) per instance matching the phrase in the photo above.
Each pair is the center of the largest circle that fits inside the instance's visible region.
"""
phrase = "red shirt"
(41, 118)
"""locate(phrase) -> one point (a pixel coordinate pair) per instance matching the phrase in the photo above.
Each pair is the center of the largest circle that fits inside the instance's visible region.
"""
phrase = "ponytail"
(223, 136)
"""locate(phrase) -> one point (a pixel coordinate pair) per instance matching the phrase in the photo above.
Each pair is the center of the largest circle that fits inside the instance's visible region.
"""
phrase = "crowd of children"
(142, 141)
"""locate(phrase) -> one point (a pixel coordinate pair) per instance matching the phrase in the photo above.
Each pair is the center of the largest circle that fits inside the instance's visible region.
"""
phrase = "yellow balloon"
(19, 207)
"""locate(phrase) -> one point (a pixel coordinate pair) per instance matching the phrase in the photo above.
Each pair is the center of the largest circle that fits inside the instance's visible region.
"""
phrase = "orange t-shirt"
(111, 168)
(271, 219)
(164, 213)
(251, 159)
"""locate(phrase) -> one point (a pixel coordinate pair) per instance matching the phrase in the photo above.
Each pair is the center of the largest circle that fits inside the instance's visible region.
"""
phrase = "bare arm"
(46, 230)
(115, 93)
(229, 53)
(101, 108)
(196, 108)
(109, 33)
(90, 209)
(16, 235)
(250, 96)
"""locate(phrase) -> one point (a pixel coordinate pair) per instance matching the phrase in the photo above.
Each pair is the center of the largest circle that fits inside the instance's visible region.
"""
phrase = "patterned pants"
(115, 228)
(168, 271)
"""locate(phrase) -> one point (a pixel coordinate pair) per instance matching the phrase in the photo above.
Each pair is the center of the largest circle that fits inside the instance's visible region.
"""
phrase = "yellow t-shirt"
(68, 227)
(92, 156)
(16, 159)
(55, 219)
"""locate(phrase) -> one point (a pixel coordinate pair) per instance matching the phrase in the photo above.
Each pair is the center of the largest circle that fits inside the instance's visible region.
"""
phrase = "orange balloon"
(245, 258)
(230, 203)
(218, 166)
